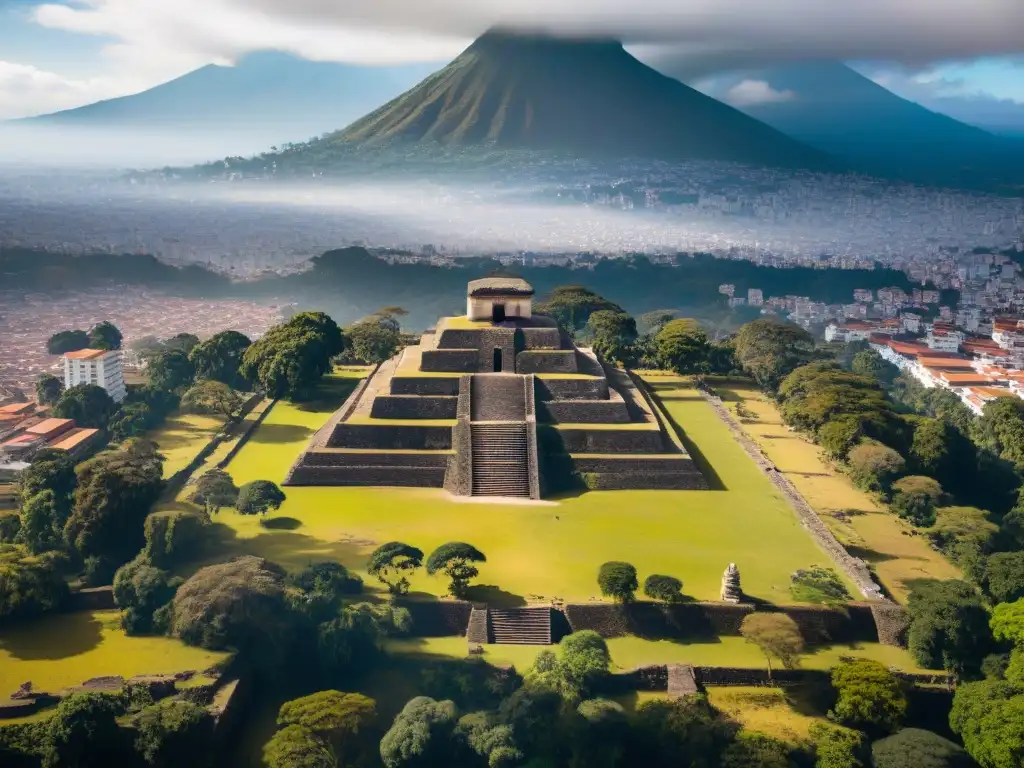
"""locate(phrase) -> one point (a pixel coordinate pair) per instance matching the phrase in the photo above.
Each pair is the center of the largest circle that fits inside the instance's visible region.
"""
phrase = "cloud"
(26, 90)
(393, 30)
(747, 93)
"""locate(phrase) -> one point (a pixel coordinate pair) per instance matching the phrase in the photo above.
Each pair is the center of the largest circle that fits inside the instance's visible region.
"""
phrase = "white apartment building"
(99, 367)
(845, 333)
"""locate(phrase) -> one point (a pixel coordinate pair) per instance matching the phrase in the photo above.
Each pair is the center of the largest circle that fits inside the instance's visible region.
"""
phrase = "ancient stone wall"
(320, 458)
(399, 477)
(459, 480)
(635, 463)
(857, 570)
(420, 438)
(644, 481)
(892, 622)
(572, 389)
(686, 620)
(91, 599)
(442, 618)
(406, 407)
(532, 450)
(451, 360)
(546, 361)
(483, 341)
(425, 385)
(542, 338)
(612, 440)
(585, 411)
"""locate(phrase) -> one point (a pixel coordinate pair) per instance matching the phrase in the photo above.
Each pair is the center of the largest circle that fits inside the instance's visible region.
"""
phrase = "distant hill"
(828, 105)
(283, 96)
(586, 97)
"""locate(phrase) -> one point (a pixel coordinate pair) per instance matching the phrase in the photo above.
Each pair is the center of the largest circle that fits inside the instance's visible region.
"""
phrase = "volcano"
(586, 97)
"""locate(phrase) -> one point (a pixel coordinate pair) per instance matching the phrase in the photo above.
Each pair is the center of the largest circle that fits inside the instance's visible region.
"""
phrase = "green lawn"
(182, 437)
(535, 550)
(632, 652)
(67, 649)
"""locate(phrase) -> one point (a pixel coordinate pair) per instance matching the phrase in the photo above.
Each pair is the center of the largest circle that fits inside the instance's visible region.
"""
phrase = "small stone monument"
(731, 592)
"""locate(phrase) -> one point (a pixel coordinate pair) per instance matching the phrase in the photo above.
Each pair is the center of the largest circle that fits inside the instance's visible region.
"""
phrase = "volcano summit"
(587, 97)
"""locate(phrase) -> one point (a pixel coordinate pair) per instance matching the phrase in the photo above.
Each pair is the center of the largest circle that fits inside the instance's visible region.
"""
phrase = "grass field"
(182, 437)
(766, 710)
(67, 649)
(897, 555)
(631, 652)
(535, 550)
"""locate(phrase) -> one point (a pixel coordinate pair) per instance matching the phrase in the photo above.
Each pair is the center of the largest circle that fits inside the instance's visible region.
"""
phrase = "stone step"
(520, 626)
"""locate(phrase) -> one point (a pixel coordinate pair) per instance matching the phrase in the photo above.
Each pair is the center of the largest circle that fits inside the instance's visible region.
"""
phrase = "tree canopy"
(215, 490)
(48, 389)
(948, 626)
(868, 697)
(171, 370)
(668, 589)
(105, 335)
(220, 356)
(259, 497)
(682, 346)
(87, 404)
(373, 340)
(769, 349)
(916, 748)
(63, 342)
(290, 358)
(389, 563)
(455, 559)
(617, 580)
(214, 397)
(777, 635)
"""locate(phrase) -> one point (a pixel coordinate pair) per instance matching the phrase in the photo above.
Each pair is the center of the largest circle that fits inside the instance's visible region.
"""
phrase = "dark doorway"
(498, 313)
(497, 359)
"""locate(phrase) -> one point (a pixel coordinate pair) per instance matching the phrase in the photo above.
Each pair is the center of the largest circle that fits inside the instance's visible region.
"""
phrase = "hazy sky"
(61, 54)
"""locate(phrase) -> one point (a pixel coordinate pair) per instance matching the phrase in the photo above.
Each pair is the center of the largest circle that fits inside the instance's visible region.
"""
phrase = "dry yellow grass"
(765, 710)
(898, 556)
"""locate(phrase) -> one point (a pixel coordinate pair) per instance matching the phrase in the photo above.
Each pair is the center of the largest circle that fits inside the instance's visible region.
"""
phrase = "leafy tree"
(869, 363)
(174, 733)
(599, 735)
(668, 589)
(769, 349)
(63, 342)
(874, 467)
(116, 489)
(1007, 622)
(869, 697)
(612, 335)
(683, 732)
(10, 524)
(948, 626)
(582, 660)
(455, 559)
(219, 357)
(87, 404)
(916, 748)
(183, 342)
(324, 585)
(140, 590)
(48, 389)
(777, 635)
(652, 322)
(329, 726)
(147, 346)
(29, 585)
(756, 749)
(42, 523)
(989, 717)
(915, 497)
(212, 397)
(1004, 576)
(391, 561)
(1001, 428)
(962, 531)
(353, 640)
(83, 732)
(259, 497)
(172, 535)
(215, 490)
(683, 347)
(105, 335)
(836, 747)
(373, 341)
(839, 436)
(493, 742)
(171, 371)
(290, 358)
(421, 734)
(618, 581)
(572, 305)
(238, 605)
(131, 420)
(50, 470)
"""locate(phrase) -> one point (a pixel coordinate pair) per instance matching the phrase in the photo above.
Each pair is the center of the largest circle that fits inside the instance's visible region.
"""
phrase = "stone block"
(444, 386)
(399, 477)
(585, 411)
(546, 361)
(572, 389)
(417, 438)
(413, 407)
(584, 440)
(450, 360)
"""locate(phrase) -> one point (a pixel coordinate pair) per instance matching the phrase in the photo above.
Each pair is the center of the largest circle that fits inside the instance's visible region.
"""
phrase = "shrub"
(29, 585)
(869, 697)
(140, 590)
(915, 498)
(874, 466)
(916, 748)
(171, 536)
(668, 589)
(618, 581)
(818, 585)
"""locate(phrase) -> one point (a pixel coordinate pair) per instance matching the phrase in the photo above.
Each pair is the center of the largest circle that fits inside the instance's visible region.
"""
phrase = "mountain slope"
(828, 105)
(266, 90)
(587, 97)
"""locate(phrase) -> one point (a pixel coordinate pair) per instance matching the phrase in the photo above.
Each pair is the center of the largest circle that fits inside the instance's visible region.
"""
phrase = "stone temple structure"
(498, 402)
(731, 590)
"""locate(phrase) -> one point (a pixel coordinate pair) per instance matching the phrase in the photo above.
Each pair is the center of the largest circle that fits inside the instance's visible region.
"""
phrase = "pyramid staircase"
(681, 681)
(520, 626)
(499, 429)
